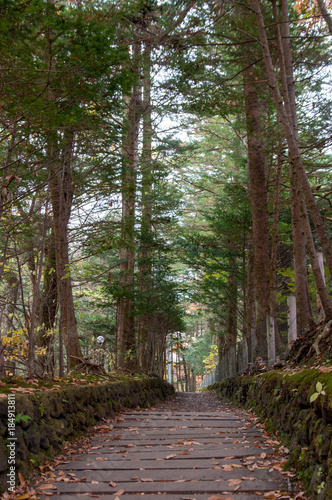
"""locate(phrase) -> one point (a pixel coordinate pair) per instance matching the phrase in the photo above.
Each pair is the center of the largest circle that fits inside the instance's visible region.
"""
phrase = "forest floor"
(23, 385)
(194, 447)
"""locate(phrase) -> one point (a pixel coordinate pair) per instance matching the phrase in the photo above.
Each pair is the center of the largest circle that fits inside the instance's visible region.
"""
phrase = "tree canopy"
(166, 183)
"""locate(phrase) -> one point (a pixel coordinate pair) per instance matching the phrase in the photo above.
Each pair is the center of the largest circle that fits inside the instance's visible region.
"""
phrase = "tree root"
(89, 368)
(325, 333)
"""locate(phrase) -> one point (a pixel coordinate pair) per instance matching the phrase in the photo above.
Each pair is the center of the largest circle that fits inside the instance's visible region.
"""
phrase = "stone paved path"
(192, 448)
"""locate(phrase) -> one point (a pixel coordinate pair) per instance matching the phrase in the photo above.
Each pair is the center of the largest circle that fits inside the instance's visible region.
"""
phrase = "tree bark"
(231, 319)
(274, 253)
(303, 305)
(62, 191)
(250, 299)
(284, 106)
(258, 198)
(48, 308)
(145, 256)
(304, 317)
(126, 336)
(325, 14)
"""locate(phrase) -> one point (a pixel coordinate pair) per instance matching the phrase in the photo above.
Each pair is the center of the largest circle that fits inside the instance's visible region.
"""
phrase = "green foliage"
(22, 418)
(319, 391)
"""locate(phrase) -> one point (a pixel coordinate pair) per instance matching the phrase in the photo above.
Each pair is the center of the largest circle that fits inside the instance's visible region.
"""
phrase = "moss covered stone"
(66, 413)
(284, 401)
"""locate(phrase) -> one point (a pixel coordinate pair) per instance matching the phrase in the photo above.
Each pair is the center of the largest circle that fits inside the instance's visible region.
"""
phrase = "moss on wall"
(283, 400)
(45, 420)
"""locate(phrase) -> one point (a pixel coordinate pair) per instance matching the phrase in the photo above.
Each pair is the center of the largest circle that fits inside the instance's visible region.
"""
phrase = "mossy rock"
(21, 446)
(3, 456)
(306, 428)
(32, 437)
(59, 415)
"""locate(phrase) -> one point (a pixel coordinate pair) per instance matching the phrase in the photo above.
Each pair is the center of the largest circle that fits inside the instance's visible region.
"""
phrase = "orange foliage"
(310, 13)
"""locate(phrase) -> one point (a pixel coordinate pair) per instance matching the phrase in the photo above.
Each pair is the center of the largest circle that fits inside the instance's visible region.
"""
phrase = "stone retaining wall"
(49, 418)
(283, 400)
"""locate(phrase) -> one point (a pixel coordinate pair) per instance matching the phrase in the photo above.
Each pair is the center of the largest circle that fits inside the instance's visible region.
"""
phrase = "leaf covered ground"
(237, 473)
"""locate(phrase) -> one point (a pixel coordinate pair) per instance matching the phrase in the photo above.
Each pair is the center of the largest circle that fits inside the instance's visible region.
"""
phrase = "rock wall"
(44, 420)
(305, 427)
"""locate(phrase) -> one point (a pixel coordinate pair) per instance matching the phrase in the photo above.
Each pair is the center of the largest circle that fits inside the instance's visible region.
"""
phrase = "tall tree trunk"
(303, 305)
(304, 318)
(258, 197)
(8, 318)
(325, 14)
(146, 226)
(250, 299)
(126, 339)
(274, 252)
(231, 319)
(48, 308)
(285, 105)
(62, 191)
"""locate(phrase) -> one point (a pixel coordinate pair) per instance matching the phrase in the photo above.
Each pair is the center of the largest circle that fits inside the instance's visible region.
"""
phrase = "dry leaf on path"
(220, 498)
(146, 480)
(234, 482)
(270, 495)
(120, 492)
(22, 480)
(170, 456)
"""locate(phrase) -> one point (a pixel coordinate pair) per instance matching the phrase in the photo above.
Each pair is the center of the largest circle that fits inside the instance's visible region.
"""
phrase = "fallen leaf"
(146, 480)
(22, 480)
(171, 456)
(120, 492)
(220, 498)
(111, 483)
(270, 495)
(234, 482)
(23, 497)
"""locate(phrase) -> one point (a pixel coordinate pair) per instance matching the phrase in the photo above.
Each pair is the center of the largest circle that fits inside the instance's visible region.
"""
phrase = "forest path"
(194, 447)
